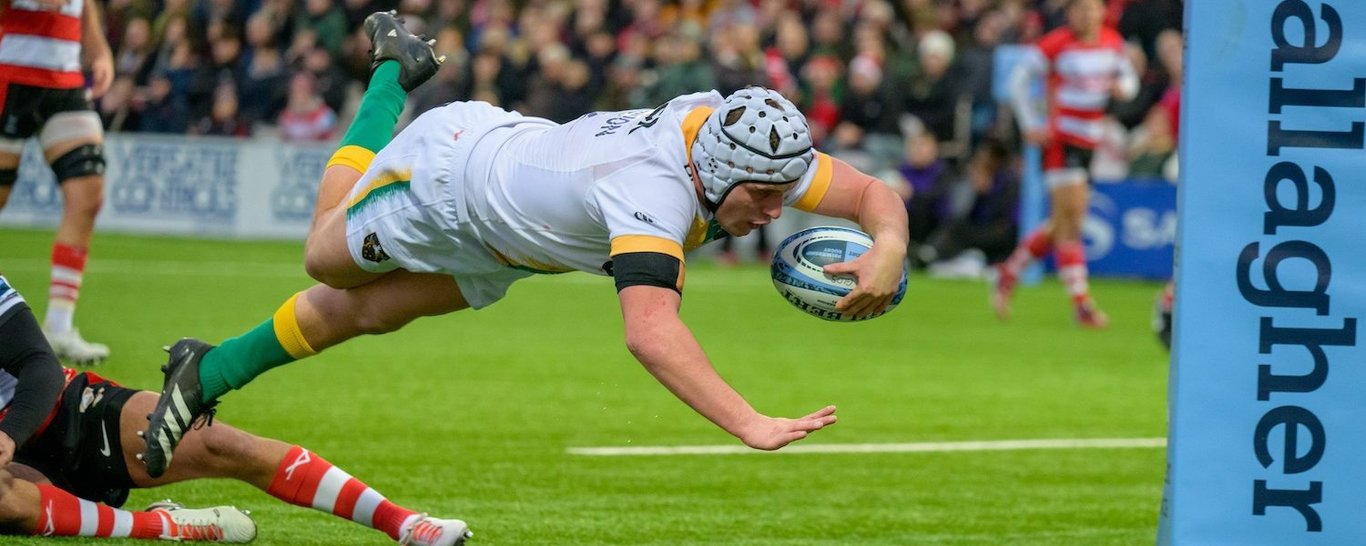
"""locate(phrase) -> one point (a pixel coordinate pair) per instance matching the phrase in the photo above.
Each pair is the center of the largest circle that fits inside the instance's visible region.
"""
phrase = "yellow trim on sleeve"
(287, 330)
(697, 234)
(384, 179)
(646, 243)
(692, 124)
(825, 169)
(353, 156)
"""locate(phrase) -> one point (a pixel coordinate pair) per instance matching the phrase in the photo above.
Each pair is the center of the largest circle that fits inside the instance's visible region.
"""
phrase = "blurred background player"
(621, 194)
(69, 444)
(1086, 66)
(43, 46)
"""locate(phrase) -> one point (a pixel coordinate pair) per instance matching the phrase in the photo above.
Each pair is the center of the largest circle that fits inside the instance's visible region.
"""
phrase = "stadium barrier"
(187, 186)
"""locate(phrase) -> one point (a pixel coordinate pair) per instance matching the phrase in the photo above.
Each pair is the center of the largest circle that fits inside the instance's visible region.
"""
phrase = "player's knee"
(313, 263)
(323, 271)
(83, 161)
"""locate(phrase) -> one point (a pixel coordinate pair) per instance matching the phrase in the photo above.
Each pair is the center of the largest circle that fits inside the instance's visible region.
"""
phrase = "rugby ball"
(799, 275)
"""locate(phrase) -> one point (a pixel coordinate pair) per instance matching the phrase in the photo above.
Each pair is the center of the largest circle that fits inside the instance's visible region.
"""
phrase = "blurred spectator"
(1153, 150)
(119, 13)
(171, 33)
(329, 79)
(933, 97)
(116, 106)
(326, 21)
(871, 116)
(223, 118)
(204, 14)
(989, 226)
(560, 91)
(1152, 81)
(452, 14)
(599, 50)
(785, 58)
(926, 191)
(737, 60)
(624, 88)
(690, 15)
(306, 117)
(134, 54)
(732, 13)
(821, 96)
(451, 82)
(163, 111)
(978, 62)
(224, 51)
(484, 71)
(261, 75)
(827, 34)
(679, 69)
(1144, 20)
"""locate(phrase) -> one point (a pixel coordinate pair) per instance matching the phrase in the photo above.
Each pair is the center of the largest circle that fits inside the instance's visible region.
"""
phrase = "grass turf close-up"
(473, 415)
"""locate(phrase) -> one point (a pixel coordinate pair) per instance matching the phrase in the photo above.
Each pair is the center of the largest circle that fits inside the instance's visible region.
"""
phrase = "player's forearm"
(1019, 87)
(93, 44)
(882, 214)
(26, 355)
(669, 351)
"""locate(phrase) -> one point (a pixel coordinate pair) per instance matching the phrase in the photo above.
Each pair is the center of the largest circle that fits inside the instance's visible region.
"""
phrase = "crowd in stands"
(901, 88)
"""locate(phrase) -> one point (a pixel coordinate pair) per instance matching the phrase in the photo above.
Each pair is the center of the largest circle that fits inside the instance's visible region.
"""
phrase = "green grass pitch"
(470, 415)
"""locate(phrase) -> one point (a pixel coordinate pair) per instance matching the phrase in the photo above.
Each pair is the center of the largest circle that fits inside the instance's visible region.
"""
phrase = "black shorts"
(26, 108)
(80, 450)
(1062, 155)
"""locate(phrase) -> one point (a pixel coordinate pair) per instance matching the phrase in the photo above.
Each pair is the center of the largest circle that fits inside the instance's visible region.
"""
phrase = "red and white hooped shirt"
(41, 47)
(1080, 76)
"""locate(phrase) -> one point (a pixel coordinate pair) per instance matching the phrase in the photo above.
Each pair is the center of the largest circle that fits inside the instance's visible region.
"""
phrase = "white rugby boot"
(217, 524)
(430, 531)
(74, 349)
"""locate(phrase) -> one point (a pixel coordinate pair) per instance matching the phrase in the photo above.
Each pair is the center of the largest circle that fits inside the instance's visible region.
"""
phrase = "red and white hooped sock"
(1071, 257)
(68, 268)
(66, 515)
(305, 479)
(1034, 246)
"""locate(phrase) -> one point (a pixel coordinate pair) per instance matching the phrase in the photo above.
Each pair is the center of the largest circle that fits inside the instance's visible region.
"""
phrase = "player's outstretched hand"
(878, 273)
(770, 433)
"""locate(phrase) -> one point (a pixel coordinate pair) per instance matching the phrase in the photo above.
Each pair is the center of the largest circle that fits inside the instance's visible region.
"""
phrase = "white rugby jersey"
(41, 47)
(568, 197)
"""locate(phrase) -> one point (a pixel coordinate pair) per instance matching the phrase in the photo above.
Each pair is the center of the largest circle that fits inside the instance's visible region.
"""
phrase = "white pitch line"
(918, 447)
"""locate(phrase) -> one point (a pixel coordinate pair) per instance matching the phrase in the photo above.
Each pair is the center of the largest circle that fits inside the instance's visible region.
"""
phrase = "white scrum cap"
(757, 135)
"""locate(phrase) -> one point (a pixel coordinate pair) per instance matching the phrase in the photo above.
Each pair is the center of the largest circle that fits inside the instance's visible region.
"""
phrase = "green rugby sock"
(237, 361)
(379, 110)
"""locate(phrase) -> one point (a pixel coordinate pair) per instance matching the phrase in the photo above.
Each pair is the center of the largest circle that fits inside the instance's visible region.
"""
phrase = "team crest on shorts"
(371, 250)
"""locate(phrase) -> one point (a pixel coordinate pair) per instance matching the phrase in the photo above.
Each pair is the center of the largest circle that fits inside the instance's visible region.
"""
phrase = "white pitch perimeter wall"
(190, 186)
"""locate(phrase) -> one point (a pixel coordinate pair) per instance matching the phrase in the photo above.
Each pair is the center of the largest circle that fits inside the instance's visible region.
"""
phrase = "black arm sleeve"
(648, 269)
(26, 355)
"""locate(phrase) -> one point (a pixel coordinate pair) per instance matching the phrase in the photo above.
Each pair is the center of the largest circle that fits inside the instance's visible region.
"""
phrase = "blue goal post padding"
(1268, 383)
